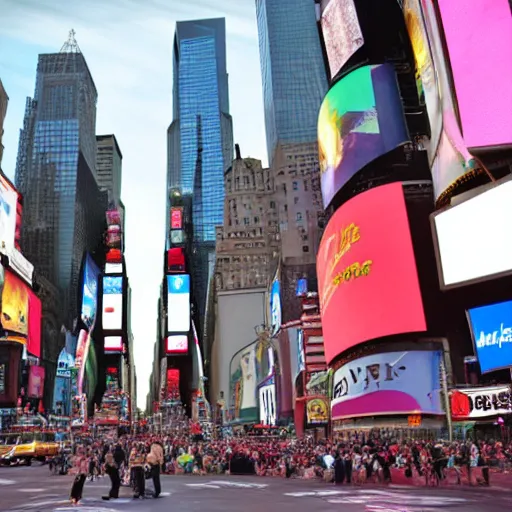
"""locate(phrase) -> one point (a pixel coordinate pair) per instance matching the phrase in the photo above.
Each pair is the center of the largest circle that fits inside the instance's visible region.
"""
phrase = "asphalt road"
(34, 489)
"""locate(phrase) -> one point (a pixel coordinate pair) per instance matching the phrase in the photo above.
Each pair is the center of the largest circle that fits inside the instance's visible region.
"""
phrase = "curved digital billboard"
(91, 274)
(361, 118)
(367, 278)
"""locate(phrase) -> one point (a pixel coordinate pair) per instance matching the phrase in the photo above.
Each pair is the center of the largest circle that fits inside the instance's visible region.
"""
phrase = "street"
(33, 488)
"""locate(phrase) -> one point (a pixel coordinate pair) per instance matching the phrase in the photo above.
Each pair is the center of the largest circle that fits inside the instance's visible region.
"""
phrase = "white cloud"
(128, 45)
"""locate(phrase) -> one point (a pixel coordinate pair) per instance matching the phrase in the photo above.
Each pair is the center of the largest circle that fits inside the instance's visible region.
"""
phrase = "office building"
(292, 69)
(4, 99)
(109, 162)
(64, 211)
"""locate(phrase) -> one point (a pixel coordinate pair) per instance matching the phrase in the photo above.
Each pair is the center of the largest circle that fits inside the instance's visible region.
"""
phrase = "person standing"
(137, 460)
(155, 459)
(81, 463)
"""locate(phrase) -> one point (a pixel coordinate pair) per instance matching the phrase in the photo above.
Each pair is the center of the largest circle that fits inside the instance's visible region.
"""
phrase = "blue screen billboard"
(178, 303)
(91, 274)
(491, 327)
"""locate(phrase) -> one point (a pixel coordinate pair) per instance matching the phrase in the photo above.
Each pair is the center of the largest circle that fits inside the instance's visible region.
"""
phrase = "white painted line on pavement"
(31, 490)
(4, 481)
(315, 493)
(204, 486)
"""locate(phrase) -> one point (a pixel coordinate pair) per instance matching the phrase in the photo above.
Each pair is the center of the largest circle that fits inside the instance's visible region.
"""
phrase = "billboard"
(35, 382)
(14, 308)
(474, 403)
(462, 259)
(317, 411)
(268, 403)
(113, 268)
(82, 353)
(367, 279)
(178, 303)
(360, 119)
(113, 344)
(491, 328)
(91, 274)
(8, 214)
(112, 303)
(177, 344)
(35, 313)
(388, 383)
(243, 384)
(177, 218)
(275, 307)
(481, 67)
(342, 33)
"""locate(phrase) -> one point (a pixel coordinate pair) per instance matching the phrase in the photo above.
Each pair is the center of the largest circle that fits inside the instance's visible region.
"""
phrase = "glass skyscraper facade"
(200, 139)
(56, 157)
(292, 68)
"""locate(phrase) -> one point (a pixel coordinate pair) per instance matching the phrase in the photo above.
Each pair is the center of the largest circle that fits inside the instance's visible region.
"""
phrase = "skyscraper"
(3, 110)
(63, 208)
(202, 129)
(200, 143)
(109, 162)
(292, 69)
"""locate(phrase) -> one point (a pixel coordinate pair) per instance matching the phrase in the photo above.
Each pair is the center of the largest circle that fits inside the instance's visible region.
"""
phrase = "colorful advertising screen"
(173, 384)
(361, 118)
(15, 303)
(268, 404)
(475, 403)
(8, 209)
(82, 353)
(342, 33)
(35, 382)
(461, 260)
(317, 411)
(177, 218)
(275, 307)
(113, 344)
(491, 327)
(389, 383)
(178, 303)
(91, 274)
(177, 237)
(367, 279)
(35, 313)
(243, 384)
(113, 268)
(112, 303)
(177, 344)
(481, 67)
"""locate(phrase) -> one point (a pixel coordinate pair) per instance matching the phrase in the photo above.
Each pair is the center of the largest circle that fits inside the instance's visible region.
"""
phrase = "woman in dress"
(81, 464)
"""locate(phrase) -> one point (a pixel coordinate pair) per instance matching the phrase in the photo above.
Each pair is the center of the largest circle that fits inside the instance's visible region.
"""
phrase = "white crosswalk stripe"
(220, 484)
(4, 481)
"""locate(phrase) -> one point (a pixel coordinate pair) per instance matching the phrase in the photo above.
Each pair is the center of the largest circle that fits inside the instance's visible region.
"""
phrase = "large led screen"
(367, 278)
(491, 328)
(463, 256)
(34, 324)
(361, 118)
(14, 308)
(8, 208)
(177, 344)
(91, 274)
(268, 404)
(178, 303)
(177, 218)
(112, 303)
(113, 344)
(342, 33)
(387, 384)
(478, 37)
(113, 268)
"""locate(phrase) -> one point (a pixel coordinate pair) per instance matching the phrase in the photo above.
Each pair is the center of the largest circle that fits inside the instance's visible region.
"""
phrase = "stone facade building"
(247, 243)
(3, 111)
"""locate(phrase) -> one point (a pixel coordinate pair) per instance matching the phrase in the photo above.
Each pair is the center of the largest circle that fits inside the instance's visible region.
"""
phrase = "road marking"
(315, 493)
(219, 484)
(4, 481)
(32, 490)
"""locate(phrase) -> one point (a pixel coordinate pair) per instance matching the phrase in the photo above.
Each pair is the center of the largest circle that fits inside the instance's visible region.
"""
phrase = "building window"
(246, 221)
(295, 185)
(295, 200)
(256, 220)
(306, 185)
(299, 216)
(305, 248)
(272, 205)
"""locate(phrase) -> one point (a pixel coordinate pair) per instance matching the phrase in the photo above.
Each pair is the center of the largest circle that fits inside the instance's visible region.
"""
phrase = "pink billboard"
(36, 382)
(479, 41)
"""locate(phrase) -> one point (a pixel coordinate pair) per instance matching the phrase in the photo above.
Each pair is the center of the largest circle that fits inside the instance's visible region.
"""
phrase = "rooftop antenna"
(70, 46)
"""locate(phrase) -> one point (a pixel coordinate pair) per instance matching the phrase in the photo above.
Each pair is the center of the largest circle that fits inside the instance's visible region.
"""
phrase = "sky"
(128, 47)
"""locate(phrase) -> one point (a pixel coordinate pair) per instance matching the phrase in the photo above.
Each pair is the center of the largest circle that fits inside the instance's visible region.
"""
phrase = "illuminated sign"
(113, 268)
(112, 303)
(177, 236)
(178, 303)
(176, 218)
(177, 344)
(113, 344)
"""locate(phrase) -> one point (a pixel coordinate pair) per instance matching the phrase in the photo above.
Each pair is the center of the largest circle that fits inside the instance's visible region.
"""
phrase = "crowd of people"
(131, 460)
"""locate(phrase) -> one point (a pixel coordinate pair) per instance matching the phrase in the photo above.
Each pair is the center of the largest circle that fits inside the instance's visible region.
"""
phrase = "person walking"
(155, 459)
(112, 470)
(81, 463)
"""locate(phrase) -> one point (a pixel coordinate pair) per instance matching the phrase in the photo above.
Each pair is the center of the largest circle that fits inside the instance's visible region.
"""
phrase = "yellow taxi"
(25, 446)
